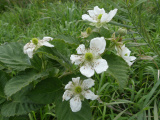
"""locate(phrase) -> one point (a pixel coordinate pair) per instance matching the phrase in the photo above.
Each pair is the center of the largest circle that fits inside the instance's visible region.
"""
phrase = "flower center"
(126, 54)
(35, 41)
(99, 16)
(78, 89)
(88, 56)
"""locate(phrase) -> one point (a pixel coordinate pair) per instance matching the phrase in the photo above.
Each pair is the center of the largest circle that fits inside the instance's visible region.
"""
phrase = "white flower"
(90, 59)
(34, 44)
(98, 16)
(124, 52)
(77, 90)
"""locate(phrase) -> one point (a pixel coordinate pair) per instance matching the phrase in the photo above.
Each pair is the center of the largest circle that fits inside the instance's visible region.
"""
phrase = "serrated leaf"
(36, 62)
(46, 91)
(63, 111)
(3, 81)
(12, 56)
(68, 39)
(19, 104)
(19, 82)
(118, 68)
(60, 53)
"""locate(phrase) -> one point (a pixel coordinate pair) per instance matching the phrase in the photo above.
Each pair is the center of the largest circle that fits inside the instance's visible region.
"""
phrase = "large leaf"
(12, 56)
(19, 82)
(118, 68)
(20, 104)
(68, 39)
(46, 91)
(63, 111)
(14, 118)
(3, 80)
(59, 53)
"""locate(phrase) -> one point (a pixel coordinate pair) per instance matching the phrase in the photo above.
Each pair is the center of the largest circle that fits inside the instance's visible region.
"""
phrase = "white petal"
(69, 85)
(98, 45)
(100, 65)
(104, 17)
(87, 70)
(132, 58)
(90, 95)
(111, 14)
(98, 11)
(77, 59)
(76, 80)
(91, 13)
(88, 83)
(129, 60)
(75, 104)
(47, 38)
(125, 52)
(30, 52)
(45, 43)
(81, 49)
(25, 48)
(67, 95)
(87, 17)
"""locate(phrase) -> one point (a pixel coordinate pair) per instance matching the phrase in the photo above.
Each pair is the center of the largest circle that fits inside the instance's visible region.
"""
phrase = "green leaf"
(68, 39)
(3, 81)
(119, 24)
(20, 104)
(60, 53)
(12, 56)
(137, 3)
(119, 115)
(46, 91)
(118, 68)
(36, 62)
(155, 110)
(63, 111)
(19, 82)
(116, 6)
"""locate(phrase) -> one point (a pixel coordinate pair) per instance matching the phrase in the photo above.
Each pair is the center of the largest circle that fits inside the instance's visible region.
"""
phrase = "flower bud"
(122, 31)
(88, 30)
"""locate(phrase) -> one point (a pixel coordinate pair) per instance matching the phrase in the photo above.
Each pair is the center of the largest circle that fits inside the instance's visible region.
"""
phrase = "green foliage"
(64, 112)
(19, 104)
(68, 39)
(62, 21)
(46, 91)
(59, 53)
(12, 56)
(3, 81)
(118, 68)
(21, 81)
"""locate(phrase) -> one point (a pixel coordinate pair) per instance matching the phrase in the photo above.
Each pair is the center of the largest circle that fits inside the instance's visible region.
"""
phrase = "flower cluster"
(89, 59)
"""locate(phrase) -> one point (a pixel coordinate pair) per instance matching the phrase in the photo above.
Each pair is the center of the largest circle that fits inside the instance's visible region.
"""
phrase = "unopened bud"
(122, 31)
(88, 30)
